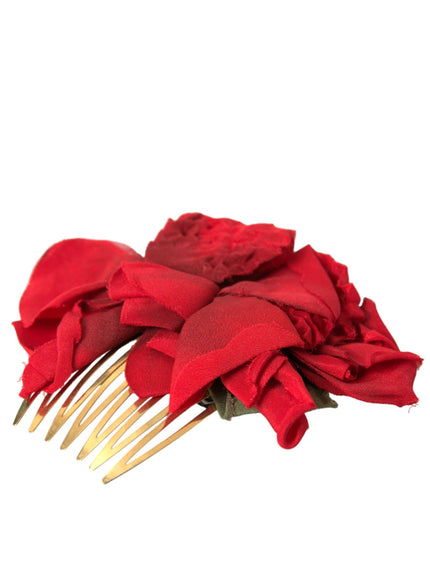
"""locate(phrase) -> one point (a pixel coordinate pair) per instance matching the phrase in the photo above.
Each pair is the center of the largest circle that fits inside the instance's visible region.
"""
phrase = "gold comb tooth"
(112, 447)
(23, 408)
(97, 436)
(82, 420)
(126, 463)
(67, 409)
(47, 403)
(49, 400)
(118, 428)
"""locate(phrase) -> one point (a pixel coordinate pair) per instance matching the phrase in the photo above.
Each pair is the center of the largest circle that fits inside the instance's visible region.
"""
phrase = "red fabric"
(67, 317)
(150, 363)
(368, 372)
(237, 339)
(351, 314)
(157, 296)
(303, 289)
(275, 388)
(220, 249)
(69, 271)
(160, 297)
(213, 299)
(226, 338)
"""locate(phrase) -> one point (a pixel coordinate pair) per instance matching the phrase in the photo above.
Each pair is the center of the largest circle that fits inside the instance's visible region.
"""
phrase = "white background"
(310, 115)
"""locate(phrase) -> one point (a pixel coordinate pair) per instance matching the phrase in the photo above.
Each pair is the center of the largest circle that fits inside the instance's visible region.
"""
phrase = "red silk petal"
(165, 341)
(146, 312)
(383, 375)
(248, 381)
(156, 290)
(40, 370)
(290, 425)
(351, 315)
(85, 333)
(372, 328)
(366, 355)
(37, 334)
(282, 398)
(101, 330)
(222, 336)
(68, 271)
(148, 371)
(219, 249)
(302, 283)
(284, 403)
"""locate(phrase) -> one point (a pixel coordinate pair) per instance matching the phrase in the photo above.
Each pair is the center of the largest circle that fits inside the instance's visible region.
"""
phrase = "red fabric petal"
(220, 249)
(304, 289)
(165, 341)
(367, 372)
(302, 283)
(158, 296)
(68, 271)
(40, 371)
(37, 334)
(222, 336)
(275, 388)
(372, 329)
(346, 328)
(149, 370)
(146, 312)
(86, 332)
(284, 403)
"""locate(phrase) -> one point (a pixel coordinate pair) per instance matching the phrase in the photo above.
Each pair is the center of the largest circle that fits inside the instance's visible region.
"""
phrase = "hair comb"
(215, 316)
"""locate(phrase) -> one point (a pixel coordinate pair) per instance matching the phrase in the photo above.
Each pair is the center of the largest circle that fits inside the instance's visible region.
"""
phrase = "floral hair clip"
(217, 314)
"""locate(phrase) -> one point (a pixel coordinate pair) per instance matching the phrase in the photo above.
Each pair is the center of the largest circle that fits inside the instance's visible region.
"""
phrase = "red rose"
(220, 249)
(67, 317)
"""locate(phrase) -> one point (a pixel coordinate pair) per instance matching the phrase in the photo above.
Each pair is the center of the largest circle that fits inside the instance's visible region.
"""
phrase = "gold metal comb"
(109, 389)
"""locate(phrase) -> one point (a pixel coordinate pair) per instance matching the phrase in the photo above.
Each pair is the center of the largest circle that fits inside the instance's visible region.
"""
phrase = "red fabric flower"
(303, 289)
(347, 348)
(150, 363)
(214, 301)
(333, 342)
(239, 340)
(158, 297)
(67, 317)
(369, 367)
(220, 249)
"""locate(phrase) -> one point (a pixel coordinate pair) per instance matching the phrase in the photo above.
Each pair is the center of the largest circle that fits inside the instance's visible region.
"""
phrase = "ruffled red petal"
(274, 387)
(150, 364)
(158, 296)
(221, 337)
(368, 372)
(284, 403)
(70, 270)
(372, 329)
(86, 332)
(302, 283)
(220, 249)
(304, 289)
(38, 333)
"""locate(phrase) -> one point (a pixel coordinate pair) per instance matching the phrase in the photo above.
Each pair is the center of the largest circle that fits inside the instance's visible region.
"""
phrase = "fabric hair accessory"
(218, 316)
